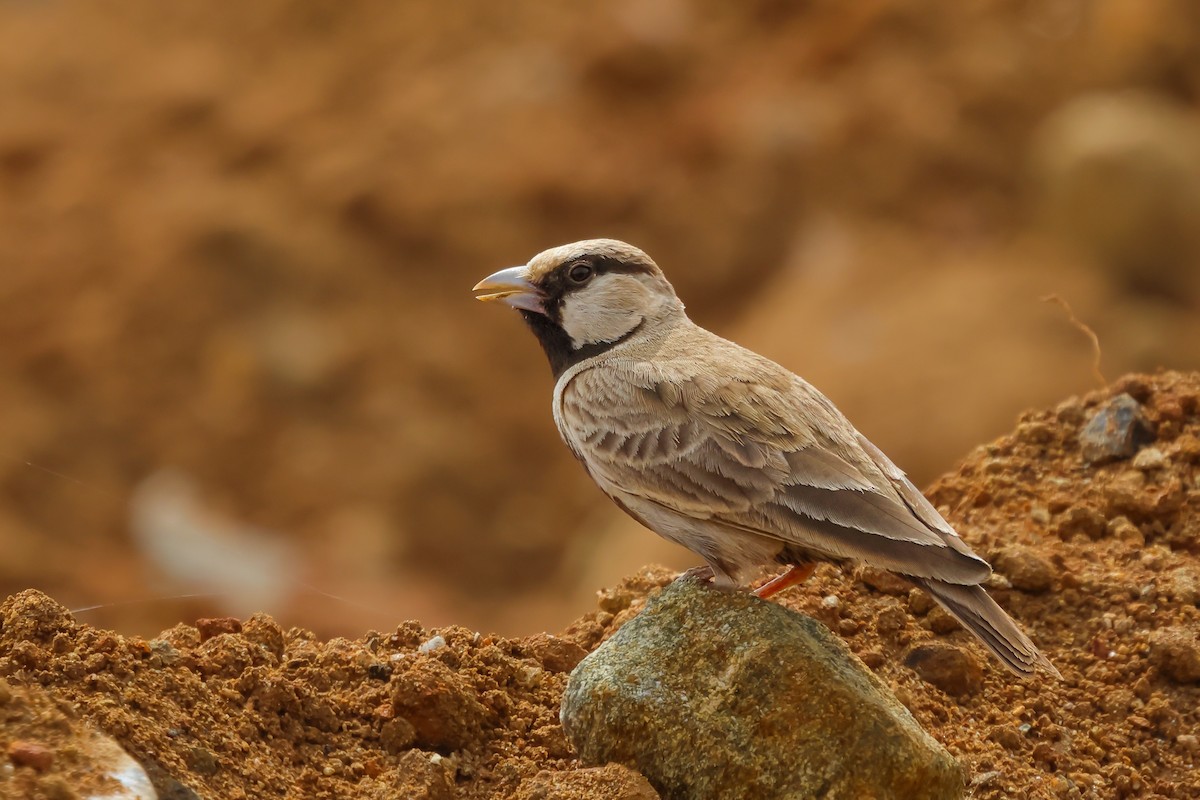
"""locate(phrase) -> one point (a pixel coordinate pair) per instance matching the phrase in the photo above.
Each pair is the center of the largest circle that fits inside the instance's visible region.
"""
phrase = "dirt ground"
(1101, 563)
(237, 243)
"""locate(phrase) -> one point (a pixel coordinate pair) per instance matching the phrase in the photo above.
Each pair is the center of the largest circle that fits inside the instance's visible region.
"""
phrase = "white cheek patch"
(605, 310)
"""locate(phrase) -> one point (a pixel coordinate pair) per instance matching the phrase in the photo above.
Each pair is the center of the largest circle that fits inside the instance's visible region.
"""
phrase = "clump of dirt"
(250, 710)
(1099, 561)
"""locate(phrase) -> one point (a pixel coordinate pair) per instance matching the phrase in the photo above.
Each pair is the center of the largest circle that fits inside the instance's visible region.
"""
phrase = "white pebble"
(435, 643)
(829, 601)
(1148, 459)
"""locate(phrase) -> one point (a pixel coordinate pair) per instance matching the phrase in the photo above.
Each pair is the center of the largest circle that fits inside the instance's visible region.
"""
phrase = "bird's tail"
(979, 614)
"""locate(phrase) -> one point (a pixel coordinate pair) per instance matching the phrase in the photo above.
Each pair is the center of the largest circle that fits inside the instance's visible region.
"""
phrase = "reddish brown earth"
(1100, 563)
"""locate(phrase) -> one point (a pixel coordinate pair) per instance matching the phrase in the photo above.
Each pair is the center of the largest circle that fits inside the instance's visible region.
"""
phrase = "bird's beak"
(512, 287)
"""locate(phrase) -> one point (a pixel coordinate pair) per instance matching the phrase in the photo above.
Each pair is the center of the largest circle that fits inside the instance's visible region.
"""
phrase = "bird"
(726, 452)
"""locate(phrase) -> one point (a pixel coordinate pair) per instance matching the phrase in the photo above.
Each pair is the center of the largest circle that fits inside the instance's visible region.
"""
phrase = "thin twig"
(1087, 331)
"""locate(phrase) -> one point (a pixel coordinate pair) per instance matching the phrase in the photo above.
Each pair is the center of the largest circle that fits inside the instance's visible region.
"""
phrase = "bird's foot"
(700, 574)
(796, 575)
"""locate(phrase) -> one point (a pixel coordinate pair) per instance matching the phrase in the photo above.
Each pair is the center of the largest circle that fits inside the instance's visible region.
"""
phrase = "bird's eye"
(579, 273)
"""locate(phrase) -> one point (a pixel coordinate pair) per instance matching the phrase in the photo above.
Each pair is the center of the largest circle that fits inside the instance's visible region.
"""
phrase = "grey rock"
(1114, 432)
(721, 695)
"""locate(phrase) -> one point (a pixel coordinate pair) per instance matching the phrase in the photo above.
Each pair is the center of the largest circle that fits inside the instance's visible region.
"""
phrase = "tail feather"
(980, 614)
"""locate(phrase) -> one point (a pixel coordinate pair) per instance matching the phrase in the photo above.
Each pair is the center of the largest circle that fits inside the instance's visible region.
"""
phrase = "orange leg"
(796, 575)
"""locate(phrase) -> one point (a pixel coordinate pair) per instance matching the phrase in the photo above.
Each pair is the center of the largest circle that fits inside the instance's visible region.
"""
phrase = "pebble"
(891, 619)
(920, 603)
(31, 754)
(1081, 519)
(433, 644)
(216, 626)
(884, 582)
(1121, 528)
(941, 621)
(1115, 431)
(555, 654)
(1176, 653)
(1151, 458)
(610, 780)
(952, 669)
(1026, 570)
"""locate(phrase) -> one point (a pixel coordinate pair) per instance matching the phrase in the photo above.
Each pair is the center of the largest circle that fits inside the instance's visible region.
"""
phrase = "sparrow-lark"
(725, 452)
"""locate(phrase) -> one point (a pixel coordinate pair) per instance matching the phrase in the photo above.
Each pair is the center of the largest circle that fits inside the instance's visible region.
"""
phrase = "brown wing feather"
(745, 443)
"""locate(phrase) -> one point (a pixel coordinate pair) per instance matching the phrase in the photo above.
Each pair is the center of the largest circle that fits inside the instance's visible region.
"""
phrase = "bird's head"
(583, 298)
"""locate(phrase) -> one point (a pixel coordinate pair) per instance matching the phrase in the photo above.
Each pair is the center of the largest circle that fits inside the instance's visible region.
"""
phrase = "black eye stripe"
(557, 283)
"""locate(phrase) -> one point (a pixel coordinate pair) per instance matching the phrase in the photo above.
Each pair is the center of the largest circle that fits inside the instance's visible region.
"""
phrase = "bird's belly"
(731, 552)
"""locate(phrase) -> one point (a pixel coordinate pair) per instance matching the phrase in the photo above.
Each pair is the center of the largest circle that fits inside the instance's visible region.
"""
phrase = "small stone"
(951, 669)
(432, 644)
(873, 659)
(420, 776)
(848, 627)
(891, 620)
(1114, 432)
(1008, 738)
(30, 754)
(710, 694)
(1189, 742)
(379, 671)
(610, 780)
(1026, 570)
(201, 761)
(998, 580)
(1081, 519)
(266, 632)
(216, 626)
(397, 735)
(1046, 753)
(920, 603)
(1121, 528)
(555, 654)
(1176, 653)
(442, 707)
(162, 653)
(1181, 585)
(942, 622)
(883, 581)
(984, 778)
(1033, 432)
(1151, 458)
(1069, 411)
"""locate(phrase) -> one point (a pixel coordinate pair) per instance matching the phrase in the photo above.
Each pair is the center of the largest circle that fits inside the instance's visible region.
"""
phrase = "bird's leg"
(703, 573)
(797, 574)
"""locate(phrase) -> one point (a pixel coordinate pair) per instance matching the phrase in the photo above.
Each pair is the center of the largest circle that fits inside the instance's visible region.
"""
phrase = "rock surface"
(717, 695)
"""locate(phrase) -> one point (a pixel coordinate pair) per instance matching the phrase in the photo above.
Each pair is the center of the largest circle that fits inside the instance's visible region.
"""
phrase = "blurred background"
(240, 356)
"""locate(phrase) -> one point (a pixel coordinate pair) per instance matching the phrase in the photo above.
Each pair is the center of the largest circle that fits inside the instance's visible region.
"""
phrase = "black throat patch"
(547, 327)
(557, 344)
